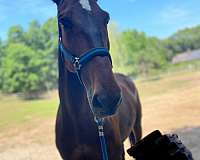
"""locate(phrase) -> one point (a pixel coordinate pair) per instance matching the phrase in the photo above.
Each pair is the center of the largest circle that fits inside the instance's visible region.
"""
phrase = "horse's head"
(83, 26)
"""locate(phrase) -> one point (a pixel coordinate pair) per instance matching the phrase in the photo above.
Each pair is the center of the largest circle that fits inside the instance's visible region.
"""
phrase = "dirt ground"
(173, 111)
(36, 142)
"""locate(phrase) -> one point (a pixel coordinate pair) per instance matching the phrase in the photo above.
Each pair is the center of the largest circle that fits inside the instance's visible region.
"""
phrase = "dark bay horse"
(92, 89)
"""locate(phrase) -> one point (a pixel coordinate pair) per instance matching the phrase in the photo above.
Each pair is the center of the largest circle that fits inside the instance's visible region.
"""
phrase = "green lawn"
(17, 111)
(169, 103)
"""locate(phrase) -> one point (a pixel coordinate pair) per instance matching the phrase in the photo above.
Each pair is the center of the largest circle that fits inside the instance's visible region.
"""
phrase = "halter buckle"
(76, 63)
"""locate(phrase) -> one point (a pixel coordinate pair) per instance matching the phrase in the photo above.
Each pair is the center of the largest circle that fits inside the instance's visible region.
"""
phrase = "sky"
(159, 18)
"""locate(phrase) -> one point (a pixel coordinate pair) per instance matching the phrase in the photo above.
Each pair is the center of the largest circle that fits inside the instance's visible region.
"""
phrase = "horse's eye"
(66, 23)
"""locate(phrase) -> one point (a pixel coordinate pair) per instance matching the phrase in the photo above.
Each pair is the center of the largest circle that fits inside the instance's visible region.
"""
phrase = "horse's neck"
(72, 93)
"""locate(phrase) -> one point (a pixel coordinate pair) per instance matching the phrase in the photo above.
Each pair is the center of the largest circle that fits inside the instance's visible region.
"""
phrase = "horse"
(88, 87)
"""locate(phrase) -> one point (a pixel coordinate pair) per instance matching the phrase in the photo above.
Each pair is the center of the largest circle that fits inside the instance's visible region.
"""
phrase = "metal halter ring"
(77, 64)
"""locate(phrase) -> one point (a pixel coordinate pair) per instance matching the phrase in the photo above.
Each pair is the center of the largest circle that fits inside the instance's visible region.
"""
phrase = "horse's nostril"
(96, 102)
(102, 101)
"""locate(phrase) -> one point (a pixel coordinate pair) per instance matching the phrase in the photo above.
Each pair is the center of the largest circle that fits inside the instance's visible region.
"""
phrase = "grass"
(14, 111)
(169, 103)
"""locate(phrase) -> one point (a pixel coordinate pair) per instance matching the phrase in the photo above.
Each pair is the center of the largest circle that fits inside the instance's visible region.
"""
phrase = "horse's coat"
(76, 131)
(85, 4)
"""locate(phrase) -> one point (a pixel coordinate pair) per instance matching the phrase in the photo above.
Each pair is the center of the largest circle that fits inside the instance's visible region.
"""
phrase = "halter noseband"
(79, 62)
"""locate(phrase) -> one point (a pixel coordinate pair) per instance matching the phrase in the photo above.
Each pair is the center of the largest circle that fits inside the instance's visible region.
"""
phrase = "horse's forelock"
(58, 1)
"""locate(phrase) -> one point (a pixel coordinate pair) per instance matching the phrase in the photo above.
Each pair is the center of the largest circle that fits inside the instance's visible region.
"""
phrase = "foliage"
(16, 34)
(1, 57)
(28, 59)
(15, 75)
(134, 53)
(183, 40)
(22, 70)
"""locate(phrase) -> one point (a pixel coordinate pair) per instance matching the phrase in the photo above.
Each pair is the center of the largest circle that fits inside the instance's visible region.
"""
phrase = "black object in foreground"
(156, 146)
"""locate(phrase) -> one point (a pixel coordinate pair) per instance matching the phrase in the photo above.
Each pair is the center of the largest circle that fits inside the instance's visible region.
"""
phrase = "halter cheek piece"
(79, 62)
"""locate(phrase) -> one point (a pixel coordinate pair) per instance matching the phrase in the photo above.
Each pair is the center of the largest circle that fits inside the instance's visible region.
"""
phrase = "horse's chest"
(85, 152)
(81, 146)
(79, 141)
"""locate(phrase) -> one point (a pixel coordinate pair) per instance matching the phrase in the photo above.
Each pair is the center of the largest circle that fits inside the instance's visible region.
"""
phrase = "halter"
(79, 62)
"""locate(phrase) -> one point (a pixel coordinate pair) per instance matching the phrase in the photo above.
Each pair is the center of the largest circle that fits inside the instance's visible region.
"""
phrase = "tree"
(149, 59)
(16, 35)
(1, 60)
(22, 70)
(50, 34)
(28, 59)
(116, 47)
(1, 51)
(34, 37)
(183, 40)
(139, 54)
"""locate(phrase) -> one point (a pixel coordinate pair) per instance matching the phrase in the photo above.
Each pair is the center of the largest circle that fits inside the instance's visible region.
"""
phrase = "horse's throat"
(72, 93)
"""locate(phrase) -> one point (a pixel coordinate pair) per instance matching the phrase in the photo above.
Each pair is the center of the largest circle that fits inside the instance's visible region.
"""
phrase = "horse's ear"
(56, 1)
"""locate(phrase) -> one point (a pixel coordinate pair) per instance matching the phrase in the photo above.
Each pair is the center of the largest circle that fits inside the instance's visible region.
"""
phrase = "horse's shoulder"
(121, 78)
(126, 83)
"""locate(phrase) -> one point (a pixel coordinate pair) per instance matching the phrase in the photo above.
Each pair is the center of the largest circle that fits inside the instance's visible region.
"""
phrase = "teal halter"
(79, 62)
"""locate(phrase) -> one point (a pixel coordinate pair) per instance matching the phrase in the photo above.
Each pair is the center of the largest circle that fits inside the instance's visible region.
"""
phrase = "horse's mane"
(58, 1)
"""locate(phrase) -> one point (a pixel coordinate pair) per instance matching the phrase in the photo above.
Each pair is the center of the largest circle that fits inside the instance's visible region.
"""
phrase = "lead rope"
(100, 123)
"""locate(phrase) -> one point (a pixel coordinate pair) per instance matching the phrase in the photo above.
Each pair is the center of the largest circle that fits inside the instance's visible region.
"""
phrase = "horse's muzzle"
(104, 105)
